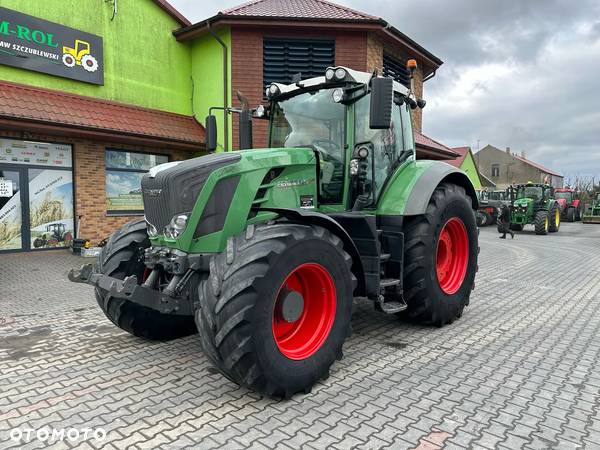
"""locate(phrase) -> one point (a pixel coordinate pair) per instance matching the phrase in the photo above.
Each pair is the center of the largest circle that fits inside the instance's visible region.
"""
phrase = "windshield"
(566, 195)
(313, 119)
(534, 192)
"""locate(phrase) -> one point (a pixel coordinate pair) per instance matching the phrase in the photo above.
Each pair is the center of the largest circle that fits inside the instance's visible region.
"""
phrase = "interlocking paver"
(518, 370)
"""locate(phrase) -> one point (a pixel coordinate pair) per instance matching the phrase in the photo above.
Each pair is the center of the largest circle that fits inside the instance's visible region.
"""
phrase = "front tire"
(119, 258)
(264, 272)
(441, 252)
(571, 214)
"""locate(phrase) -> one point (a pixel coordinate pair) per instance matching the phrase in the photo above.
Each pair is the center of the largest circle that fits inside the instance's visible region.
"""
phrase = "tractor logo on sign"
(79, 56)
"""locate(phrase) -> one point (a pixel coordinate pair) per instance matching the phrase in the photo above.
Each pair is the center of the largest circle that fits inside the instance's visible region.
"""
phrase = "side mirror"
(210, 127)
(382, 97)
(245, 129)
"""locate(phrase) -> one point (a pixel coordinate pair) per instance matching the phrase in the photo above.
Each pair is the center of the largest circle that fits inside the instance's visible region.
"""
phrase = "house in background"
(504, 168)
(466, 162)
(250, 46)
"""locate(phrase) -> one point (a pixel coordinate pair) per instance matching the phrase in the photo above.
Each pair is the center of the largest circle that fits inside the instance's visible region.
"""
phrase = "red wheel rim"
(300, 338)
(452, 255)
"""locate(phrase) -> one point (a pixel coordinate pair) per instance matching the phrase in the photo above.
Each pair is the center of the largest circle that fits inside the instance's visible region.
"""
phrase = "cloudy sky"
(517, 73)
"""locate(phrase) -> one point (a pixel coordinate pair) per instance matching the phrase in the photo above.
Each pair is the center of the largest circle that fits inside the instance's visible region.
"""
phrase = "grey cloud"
(549, 102)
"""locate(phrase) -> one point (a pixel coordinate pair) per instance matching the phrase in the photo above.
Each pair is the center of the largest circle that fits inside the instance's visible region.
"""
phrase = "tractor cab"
(57, 229)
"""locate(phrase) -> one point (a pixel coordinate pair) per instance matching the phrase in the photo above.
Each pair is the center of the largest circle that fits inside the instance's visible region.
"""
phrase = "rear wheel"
(554, 219)
(121, 257)
(578, 214)
(571, 214)
(541, 222)
(440, 257)
(275, 310)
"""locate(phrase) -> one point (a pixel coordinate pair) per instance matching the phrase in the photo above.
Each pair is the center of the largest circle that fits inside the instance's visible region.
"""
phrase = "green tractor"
(535, 204)
(593, 216)
(265, 249)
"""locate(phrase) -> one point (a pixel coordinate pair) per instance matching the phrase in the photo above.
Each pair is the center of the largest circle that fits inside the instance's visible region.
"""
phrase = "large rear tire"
(275, 310)
(121, 257)
(441, 251)
(541, 222)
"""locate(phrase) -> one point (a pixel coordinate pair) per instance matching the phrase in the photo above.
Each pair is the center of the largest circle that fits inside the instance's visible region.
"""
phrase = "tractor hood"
(194, 205)
(524, 202)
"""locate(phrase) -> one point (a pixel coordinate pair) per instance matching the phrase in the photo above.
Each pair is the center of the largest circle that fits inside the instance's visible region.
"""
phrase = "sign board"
(35, 153)
(6, 188)
(42, 46)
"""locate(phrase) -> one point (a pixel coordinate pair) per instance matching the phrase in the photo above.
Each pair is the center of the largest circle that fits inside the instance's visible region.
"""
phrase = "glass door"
(50, 223)
(11, 212)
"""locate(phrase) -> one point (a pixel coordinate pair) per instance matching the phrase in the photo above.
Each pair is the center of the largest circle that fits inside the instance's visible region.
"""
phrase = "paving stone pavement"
(520, 369)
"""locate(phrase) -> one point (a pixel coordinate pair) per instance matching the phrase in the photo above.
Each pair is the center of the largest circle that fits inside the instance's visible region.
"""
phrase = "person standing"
(504, 222)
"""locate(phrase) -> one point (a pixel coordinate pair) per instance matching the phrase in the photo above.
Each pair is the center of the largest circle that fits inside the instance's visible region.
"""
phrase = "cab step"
(391, 307)
(389, 282)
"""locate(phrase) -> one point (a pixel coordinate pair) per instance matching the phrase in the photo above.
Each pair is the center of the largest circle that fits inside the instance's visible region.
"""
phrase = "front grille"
(175, 190)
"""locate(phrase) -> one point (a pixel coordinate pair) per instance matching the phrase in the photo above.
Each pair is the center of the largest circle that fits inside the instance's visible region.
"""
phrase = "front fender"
(410, 188)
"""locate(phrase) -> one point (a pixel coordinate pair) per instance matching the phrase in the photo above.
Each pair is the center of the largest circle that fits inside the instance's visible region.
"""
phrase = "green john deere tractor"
(265, 249)
(535, 204)
(593, 215)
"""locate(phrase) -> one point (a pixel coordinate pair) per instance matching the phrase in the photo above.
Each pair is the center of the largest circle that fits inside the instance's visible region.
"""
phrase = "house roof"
(308, 9)
(431, 144)
(537, 166)
(170, 10)
(54, 108)
(282, 12)
(462, 152)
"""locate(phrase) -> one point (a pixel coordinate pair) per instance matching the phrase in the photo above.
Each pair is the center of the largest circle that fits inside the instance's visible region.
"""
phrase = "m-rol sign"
(31, 43)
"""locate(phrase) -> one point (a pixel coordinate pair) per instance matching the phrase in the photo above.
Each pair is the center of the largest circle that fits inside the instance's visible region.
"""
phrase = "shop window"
(396, 69)
(124, 172)
(495, 170)
(284, 58)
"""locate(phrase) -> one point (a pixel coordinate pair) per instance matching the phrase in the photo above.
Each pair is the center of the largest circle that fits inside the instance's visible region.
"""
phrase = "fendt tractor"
(535, 204)
(489, 206)
(570, 204)
(593, 214)
(266, 248)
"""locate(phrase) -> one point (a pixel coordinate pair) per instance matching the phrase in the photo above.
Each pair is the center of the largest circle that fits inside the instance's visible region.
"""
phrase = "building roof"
(537, 166)
(282, 12)
(462, 152)
(44, 106)
(431, 144)
(307, 9)
(170, 10)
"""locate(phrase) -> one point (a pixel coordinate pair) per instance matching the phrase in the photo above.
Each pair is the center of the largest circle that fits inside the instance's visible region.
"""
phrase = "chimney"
(508, 150)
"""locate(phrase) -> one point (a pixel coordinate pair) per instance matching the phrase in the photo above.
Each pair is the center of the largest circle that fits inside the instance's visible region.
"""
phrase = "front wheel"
(275, 310)
(119, 258)
(541, 222)
(571, 214)
(441, 252)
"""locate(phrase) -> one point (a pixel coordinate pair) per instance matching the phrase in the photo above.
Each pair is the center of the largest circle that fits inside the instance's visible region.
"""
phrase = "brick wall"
(247, 66)
(89, 180)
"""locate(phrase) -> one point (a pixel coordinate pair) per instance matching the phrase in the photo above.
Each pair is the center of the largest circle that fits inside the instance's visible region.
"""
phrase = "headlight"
(176, 226)
(338, 95)
(273, 90)
(260, 111)
(329, 74)
(354, 167)
(340, 74)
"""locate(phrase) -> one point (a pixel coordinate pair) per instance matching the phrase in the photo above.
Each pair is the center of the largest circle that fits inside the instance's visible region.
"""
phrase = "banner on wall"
(51, 208)
(34, 153)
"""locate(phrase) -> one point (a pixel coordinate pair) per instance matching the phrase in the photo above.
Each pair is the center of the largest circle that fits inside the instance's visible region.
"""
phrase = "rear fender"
(410, 188)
